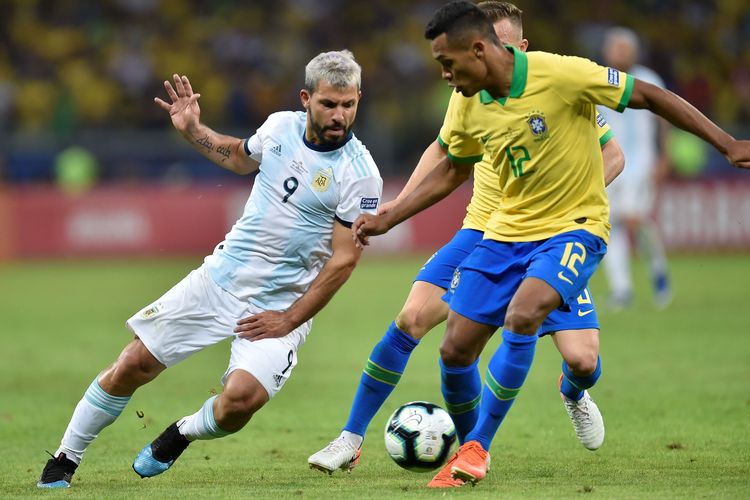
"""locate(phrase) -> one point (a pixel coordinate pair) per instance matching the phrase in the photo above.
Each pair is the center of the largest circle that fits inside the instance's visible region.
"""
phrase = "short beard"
(318, 132)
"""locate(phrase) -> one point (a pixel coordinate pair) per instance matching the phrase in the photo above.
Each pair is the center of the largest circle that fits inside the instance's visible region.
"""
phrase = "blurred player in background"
(642, 135)
(279, 265)
(549, 233)
(576, 337)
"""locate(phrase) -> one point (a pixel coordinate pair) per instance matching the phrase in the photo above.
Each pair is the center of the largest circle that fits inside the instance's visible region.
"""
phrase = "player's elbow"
(344, 264)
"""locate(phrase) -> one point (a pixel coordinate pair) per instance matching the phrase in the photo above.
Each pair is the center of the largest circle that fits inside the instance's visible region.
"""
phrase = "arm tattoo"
(203, 141)
(223, 151)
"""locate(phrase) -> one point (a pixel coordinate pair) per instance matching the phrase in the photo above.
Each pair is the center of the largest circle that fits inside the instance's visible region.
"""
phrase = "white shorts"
(197, 313)
(632, 196)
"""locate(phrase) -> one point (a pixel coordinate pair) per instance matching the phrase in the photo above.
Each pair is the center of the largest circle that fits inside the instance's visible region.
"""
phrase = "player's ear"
(478, 48)
(304, 97)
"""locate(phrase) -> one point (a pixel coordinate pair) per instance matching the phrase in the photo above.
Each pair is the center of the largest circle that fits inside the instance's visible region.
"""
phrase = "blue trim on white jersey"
(343, 222)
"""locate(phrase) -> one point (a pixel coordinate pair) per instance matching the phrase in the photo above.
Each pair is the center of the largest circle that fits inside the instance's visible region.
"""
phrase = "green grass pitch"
(675, 393)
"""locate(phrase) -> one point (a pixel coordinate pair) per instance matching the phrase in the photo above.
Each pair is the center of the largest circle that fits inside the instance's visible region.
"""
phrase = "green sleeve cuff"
(442, 143)
(625, 99)
(606, 137)
(465, 160)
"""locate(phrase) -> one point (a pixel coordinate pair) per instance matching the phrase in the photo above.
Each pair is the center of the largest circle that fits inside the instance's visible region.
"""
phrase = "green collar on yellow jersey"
(517, 84)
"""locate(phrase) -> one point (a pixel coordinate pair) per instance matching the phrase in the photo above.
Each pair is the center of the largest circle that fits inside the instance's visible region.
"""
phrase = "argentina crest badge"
(322, 179)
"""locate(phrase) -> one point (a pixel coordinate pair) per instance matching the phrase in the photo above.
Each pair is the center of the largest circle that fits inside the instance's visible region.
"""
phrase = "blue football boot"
(159, 455)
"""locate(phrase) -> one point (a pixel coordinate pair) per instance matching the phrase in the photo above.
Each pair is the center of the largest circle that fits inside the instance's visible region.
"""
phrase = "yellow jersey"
(537, 151)
(486, 194)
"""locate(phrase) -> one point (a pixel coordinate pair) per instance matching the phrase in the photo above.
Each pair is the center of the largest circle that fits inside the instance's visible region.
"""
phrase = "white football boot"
(587, 420)
(339, 454)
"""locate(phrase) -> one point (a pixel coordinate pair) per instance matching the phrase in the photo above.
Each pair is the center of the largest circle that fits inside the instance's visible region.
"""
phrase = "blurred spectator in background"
(83, 71)
(76, 170)
(631, 197)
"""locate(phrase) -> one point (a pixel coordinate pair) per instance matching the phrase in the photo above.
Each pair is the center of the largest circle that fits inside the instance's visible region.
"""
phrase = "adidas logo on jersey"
(278, 379)
(276, 150)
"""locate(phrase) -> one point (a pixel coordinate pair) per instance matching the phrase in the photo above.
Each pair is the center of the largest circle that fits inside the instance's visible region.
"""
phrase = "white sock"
(617, 261)
(201, 424)
(353, 439)
(95, 411)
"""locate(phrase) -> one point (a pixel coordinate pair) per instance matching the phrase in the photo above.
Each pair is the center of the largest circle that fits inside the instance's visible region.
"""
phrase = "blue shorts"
(486, 280)
(439, 269)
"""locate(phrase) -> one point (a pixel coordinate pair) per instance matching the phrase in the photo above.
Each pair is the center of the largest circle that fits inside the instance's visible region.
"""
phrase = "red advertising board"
(148, 220)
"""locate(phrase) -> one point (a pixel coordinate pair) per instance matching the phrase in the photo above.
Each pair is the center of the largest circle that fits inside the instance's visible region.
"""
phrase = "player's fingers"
(170, 91)
(178, 85)
(249, 320)
(163, 105)
(194, 98)
(186, 84)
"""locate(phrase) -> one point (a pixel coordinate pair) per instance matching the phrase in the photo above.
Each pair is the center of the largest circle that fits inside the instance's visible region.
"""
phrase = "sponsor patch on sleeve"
(600, 120)
(368, 203)
(613, 77)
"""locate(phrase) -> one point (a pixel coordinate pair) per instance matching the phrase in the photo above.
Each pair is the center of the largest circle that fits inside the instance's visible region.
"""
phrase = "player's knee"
(412, 322)
(135, 366)
(453, 354)
(583, 363)
(236, 408)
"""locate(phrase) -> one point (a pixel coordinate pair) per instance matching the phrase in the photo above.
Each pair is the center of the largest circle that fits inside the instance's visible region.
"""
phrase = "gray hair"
(337, 68)
(622, 34)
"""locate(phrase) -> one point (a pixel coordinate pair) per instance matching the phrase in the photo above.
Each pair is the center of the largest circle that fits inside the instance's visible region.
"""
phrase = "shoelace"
(580, 409)
(338, 444)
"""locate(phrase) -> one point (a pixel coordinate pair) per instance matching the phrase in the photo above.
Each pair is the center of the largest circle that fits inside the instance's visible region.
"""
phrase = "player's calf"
(159, 455)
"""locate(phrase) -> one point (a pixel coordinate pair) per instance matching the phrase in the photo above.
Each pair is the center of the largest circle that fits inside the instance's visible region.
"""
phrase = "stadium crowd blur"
(83, 74)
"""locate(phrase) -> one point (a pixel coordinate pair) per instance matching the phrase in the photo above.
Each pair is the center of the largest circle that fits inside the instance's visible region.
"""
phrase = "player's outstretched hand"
(265, 325)
(738, 154)
(368, 225)
(184, 110)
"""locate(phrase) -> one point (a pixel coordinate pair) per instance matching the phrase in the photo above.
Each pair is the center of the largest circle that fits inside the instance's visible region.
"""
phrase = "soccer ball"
(419, 436)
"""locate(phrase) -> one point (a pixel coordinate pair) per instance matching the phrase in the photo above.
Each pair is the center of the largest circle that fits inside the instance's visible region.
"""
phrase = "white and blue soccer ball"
(419, 436)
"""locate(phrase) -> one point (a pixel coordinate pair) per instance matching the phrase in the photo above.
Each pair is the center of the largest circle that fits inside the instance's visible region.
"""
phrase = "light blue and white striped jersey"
(636, 130)
(283, 239)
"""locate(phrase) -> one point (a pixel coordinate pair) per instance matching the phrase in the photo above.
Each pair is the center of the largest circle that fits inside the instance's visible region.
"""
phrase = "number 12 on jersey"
(517, 155)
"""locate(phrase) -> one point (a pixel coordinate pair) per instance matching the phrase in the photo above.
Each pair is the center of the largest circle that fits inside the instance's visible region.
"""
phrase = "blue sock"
(383, 371)
(462, 391)
(572, 386)
(506, 374)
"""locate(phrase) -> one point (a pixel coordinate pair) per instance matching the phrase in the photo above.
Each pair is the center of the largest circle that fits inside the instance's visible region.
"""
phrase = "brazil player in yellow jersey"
(576, 337)
(550, 230)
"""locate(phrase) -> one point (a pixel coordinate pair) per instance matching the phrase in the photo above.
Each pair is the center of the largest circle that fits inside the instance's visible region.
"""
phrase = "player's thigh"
(423, 310)
(191, 316)
(270, 361)
(531, 303)
(464, 340)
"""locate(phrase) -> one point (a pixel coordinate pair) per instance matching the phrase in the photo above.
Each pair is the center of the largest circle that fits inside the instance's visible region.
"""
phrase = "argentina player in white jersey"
(282, 261)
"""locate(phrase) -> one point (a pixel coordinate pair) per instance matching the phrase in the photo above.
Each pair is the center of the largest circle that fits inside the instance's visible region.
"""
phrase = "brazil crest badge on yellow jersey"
(538, 125)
